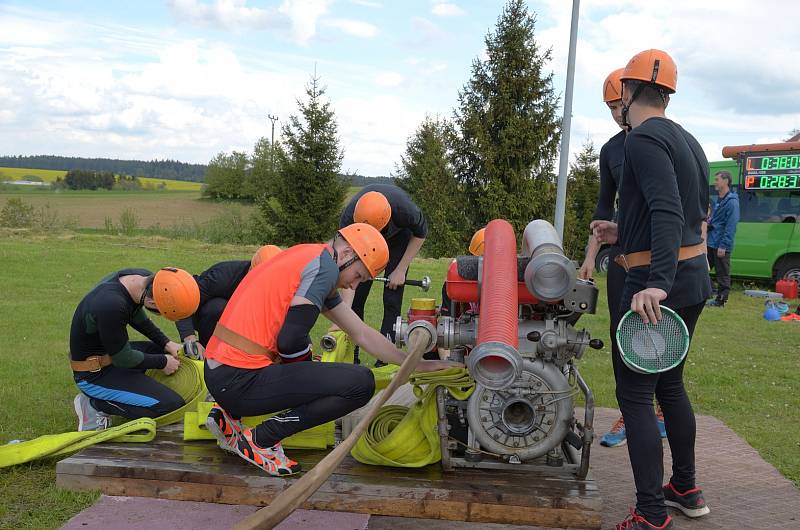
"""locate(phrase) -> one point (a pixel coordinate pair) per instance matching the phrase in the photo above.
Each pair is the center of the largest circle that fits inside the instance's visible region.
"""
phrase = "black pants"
(615, 283)
(206, 317)
(129, 392)
(635, 397)
(722, 266)
(392, 298)
(314, 393)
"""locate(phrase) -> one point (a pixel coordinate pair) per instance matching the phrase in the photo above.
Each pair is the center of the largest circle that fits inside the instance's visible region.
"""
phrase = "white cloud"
(299, 17)
(446, 9)
(389, 79)
(356, 28)
(366, 3)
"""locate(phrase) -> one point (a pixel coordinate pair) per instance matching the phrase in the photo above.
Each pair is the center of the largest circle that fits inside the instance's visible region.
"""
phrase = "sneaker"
(224, 428)
(690, 502)
(635, 521)
(89, 418)
(715, 303)
(616, 436)
(270, 459)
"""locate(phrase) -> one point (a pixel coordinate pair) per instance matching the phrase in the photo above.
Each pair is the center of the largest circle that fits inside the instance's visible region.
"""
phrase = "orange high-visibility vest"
(259, 306)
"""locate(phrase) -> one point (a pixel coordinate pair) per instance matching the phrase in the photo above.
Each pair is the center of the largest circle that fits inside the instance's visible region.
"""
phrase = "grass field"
(741, 368)
(50, 175)
(89, 209)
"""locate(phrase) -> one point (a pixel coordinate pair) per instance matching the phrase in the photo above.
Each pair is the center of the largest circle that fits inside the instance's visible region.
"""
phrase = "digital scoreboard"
(772, 171)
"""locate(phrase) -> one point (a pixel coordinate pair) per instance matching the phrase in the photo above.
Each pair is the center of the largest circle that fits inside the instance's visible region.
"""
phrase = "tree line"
(494, 157)
(164, 169)
(80, 179)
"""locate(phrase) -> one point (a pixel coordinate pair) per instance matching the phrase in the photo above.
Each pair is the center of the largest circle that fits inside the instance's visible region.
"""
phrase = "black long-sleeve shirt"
(663, 199)
(612, 157)
(99, 324)
(405, 214)
(218, 281)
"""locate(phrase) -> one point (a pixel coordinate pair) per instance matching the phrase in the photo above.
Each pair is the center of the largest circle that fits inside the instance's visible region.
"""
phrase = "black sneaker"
(690, 502)
(635, 521)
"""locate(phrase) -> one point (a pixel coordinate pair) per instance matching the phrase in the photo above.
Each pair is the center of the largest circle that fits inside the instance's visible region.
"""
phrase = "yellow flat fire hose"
(409, 436)
(186, 381)
(420, 340)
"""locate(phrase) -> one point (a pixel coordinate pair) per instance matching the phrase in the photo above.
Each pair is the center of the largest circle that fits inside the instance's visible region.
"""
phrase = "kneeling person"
(217, 285)
(108, 369)
(254, 361)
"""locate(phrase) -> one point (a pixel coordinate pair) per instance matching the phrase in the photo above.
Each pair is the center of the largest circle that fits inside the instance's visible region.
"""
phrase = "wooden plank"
(324, 500)
(344, 484)
(171, 468)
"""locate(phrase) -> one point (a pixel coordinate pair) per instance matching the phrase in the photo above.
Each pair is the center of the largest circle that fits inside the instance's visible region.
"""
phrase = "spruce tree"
(308, 193)
(584, 185)
(427, 175)
(507, 131)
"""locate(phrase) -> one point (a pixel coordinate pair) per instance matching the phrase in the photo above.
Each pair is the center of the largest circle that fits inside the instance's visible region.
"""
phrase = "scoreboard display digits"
(772, 172)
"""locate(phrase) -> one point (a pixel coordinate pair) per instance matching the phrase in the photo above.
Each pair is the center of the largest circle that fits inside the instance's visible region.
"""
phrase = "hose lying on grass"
(187, 381)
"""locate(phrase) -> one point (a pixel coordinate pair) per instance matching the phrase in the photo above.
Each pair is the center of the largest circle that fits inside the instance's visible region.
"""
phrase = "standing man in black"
(403, 225)
(663, 200)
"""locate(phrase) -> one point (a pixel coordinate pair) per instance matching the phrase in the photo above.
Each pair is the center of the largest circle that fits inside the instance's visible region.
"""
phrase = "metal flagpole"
(563, 162)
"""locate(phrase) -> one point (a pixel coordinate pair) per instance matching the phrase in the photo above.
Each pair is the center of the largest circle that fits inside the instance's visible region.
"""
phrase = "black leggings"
(129, 392)
(314, 393)
(635, 397)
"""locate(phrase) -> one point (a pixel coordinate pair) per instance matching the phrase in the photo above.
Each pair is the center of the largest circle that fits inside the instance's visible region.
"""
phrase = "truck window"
(770, 206)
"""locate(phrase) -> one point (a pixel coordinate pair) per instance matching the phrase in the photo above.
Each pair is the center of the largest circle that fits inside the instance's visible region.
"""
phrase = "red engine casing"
(465, 291)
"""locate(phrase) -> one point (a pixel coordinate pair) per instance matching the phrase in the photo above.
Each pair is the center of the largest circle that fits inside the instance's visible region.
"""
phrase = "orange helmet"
(374, 209)
(368, 244)
(653, 66)
(263, 254)
(175, 293)
(612, 87)
(476, 245)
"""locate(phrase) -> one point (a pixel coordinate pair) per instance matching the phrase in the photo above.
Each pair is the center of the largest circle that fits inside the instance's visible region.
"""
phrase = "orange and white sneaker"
(270, 459)
(224, 428)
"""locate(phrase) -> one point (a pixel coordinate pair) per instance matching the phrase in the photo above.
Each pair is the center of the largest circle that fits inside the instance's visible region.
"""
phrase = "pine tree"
(308, 194)
(584, 186)
(426, 174)
(506, 126)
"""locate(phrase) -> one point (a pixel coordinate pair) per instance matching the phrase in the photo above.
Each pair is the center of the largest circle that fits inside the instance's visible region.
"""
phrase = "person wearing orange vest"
(109, 369)
(259, 359)
(217, 284)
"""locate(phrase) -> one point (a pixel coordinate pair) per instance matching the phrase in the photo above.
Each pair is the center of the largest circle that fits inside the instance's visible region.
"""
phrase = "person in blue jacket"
(721, 234)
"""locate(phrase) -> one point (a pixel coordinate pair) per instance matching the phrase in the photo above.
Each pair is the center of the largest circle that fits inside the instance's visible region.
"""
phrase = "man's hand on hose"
(646, 303)
(193, 349)
(172, 365)
(172, 348)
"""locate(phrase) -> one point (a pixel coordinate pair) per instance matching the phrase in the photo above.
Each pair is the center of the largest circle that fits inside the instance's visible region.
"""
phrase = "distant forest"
(164, 169)
(360, 180)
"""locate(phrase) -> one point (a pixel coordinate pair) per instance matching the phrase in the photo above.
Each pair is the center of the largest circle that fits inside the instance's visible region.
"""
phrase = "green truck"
(767, 179)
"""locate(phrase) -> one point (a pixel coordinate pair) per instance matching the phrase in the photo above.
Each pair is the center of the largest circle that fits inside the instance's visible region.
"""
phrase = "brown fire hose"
(421, 338)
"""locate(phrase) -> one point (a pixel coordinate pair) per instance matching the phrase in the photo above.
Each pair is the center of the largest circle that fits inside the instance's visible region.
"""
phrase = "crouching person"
(217, 284)
(108, 369)
(259, 359)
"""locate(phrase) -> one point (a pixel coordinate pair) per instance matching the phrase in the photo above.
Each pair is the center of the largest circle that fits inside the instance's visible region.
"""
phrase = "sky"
(187, 79)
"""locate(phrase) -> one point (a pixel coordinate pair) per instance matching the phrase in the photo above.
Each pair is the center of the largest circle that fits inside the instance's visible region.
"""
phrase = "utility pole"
(273, 119)
(563, 157)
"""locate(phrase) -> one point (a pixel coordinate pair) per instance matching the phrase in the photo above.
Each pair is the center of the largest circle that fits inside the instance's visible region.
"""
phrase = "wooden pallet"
(199, 471)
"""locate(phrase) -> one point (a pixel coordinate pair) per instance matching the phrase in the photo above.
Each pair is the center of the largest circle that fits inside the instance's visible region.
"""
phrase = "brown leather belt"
(244, 344)
(93, 363)
(640, 259)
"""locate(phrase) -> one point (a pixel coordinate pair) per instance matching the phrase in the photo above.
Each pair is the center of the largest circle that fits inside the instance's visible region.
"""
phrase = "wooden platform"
(173, 469)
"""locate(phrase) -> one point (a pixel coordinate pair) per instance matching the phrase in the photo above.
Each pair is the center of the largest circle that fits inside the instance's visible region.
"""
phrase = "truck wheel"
(788, 268)
(601, 261)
